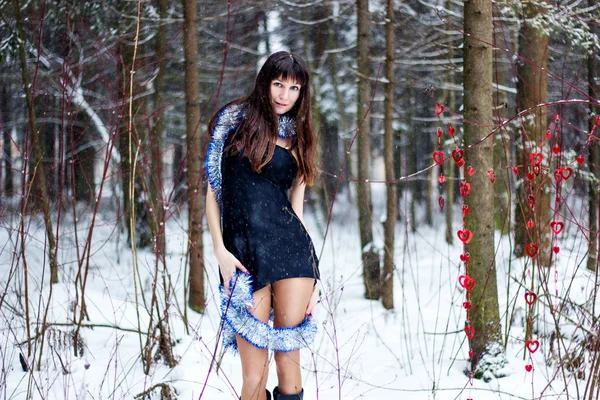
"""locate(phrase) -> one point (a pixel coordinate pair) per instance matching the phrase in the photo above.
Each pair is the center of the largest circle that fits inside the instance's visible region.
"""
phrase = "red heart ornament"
(451, 131)
(467, 305)
(536, 158)
(439, 109)
(465, 235)
(465, 210)
(470, 171)
(460, 163)
(531, 250)
(566, 172)
(438, 157)
(530, 224)
(557, 176)
(470, 331)
(528, 367)
(515, 170)
(457, 155)
(491, 176)
(466, 282)
(530, 298)
(548, 134)
(465, 189)
(441, 203)
(557, 199)
(531, 201)
(556, 149)
(470, 357)
(556, 249)
(580, 160)
(597, 120)
(440, 132)
(557, 227)
(465, 257)
(532, 345)
(441, 179)
(530, 176)
(557, 118)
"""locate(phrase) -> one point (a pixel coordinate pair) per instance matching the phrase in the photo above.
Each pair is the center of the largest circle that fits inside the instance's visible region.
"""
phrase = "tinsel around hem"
(235, 311)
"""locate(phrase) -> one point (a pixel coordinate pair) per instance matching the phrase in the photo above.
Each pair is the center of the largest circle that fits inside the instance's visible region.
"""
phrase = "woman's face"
(283, 95)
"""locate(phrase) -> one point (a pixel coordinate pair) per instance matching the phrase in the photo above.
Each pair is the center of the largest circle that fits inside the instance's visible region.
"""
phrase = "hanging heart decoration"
(441, 179)
(491, 176)
(556, 249)
(465, 235)
(557, 176)
(465, 257)
(536, 158)
(580, 159)
(439, 132)
(451, 131)
(531, 249)
(530, 224)
(530, 176)
(470, 331)
(531, 201)
(465, 188)
(556, 149)
(532, 345)
(438, 157)
(470, 171)
(548, 134)
(530, 298)
(465, 210)
(528, 367)
(466, 282)
(439, 109)
(566, 172)
(515, 171)
(557, 227)
(467, 305)
(441, 203)
(457, 155)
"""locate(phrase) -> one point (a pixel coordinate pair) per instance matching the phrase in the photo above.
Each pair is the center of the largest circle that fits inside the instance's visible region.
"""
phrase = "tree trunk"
(371, 269)
(412, 160)
(82, 157)
(6, 139)
(39, 180)
(155, 143)
(477, 77)
(387, 286)
(594, 156)
(532, 89)
(194, 156)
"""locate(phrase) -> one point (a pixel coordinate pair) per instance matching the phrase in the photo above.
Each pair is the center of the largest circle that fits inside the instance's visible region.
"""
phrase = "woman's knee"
(255, 377)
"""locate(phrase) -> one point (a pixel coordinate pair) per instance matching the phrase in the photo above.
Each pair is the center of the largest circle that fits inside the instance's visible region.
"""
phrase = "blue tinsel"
(235, 310)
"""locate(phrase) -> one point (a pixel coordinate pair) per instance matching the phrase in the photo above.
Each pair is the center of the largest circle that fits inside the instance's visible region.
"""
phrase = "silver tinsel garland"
(237, 319)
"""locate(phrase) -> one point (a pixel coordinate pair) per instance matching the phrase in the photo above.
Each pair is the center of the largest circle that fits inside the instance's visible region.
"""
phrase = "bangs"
(289, 69)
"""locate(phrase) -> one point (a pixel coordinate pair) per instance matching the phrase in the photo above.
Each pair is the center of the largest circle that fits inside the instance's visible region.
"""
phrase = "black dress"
(260, 228)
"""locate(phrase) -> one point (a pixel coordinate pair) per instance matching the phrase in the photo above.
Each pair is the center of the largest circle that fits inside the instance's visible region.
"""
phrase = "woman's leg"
(290, 298)
(255, 361)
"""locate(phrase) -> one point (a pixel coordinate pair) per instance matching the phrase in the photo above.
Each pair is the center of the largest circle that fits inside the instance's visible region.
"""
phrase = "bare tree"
(594, 153)
(387, 288)
(371, 269)
(194, 156)
(477, 75)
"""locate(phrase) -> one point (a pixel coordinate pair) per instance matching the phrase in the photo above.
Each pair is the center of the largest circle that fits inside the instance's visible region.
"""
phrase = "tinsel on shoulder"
(226, 123)
(237, 319)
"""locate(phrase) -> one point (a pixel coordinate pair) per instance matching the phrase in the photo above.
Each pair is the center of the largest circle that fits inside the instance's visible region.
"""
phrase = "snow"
(362, 351)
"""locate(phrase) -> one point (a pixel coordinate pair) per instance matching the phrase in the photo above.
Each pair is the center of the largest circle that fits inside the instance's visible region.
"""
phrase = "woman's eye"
(295, 88)
(278, 84)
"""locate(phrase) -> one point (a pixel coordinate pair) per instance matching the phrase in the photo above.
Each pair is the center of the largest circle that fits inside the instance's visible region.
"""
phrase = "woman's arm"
(227, 261)
(296, 197)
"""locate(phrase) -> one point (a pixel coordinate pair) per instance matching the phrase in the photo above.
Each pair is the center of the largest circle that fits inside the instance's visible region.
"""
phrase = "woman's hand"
(313, 300)
(228, 264)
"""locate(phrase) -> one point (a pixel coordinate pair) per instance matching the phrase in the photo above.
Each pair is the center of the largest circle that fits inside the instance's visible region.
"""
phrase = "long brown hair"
(256, 137)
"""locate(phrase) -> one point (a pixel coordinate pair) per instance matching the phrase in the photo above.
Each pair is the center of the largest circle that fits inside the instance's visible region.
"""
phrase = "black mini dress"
(260, 228)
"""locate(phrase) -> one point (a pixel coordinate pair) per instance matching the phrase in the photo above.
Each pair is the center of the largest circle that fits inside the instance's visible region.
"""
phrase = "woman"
(259, 161)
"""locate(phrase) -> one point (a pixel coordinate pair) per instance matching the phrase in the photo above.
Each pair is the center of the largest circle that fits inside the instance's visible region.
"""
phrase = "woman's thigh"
(290, 299)
(255, 360)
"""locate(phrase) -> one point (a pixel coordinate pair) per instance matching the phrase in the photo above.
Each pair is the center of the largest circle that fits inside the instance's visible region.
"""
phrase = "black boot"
(268, 395)
(279, 396)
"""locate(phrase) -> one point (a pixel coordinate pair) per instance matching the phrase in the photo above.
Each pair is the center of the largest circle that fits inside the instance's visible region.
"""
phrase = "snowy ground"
(417, 351)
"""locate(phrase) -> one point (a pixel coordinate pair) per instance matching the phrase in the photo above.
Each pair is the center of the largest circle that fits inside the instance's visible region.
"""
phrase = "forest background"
(474, 123)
